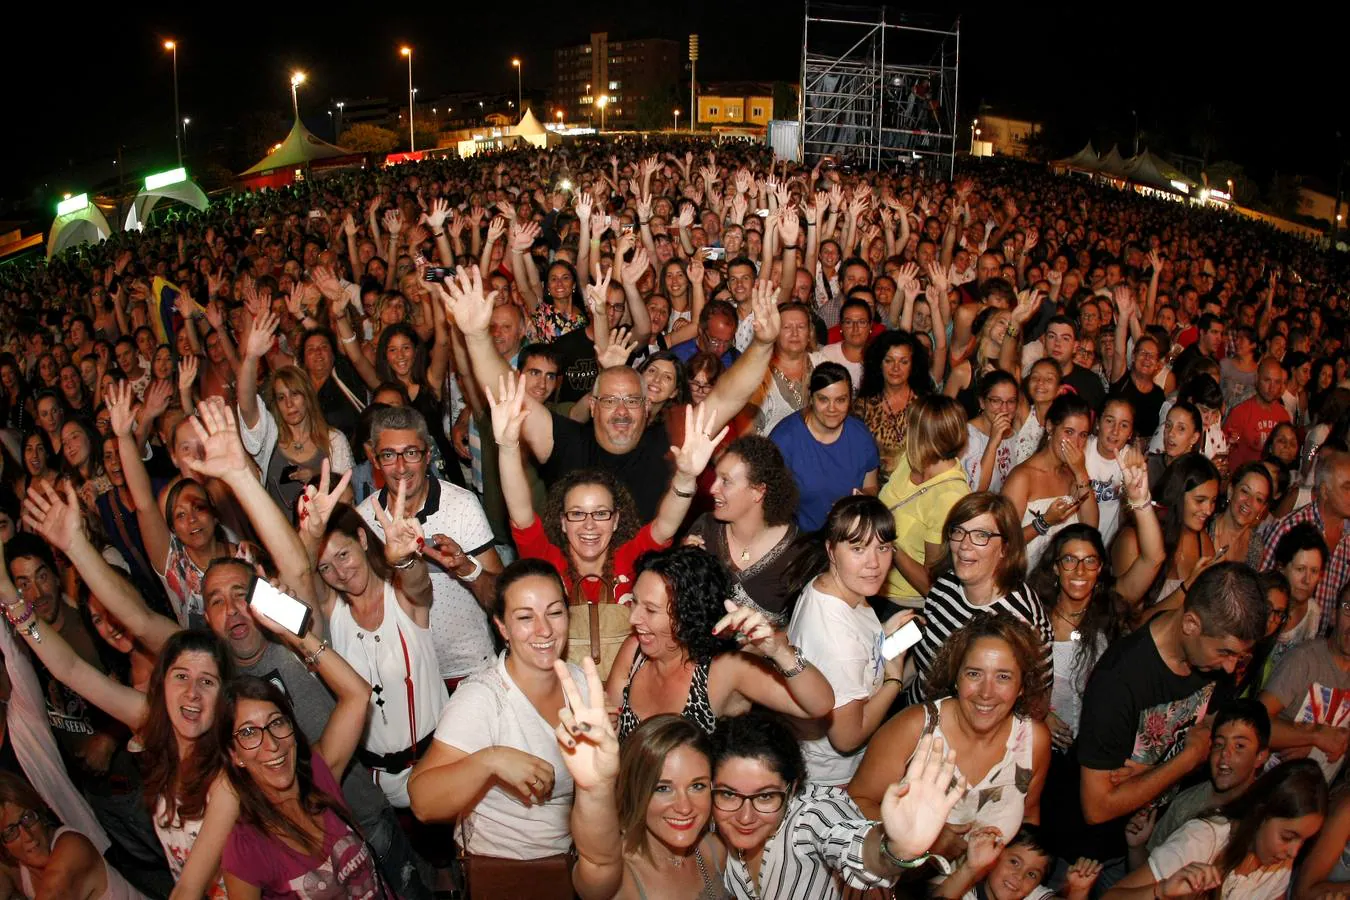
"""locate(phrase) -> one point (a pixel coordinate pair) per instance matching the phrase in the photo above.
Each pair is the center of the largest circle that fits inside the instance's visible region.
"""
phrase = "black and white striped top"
(817, 852)
(946, 610)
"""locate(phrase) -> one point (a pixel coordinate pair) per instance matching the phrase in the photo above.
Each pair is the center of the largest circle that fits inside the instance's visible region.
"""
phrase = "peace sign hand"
(402, 533)
(590, 748)
(317, 503)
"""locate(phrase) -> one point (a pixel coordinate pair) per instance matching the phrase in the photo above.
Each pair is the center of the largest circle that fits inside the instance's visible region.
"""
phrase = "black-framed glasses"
(978, 536)
(411, 455)
(1071, 562)
(1282, 615)
(609, 401)
(728, 800)
(581, 515)
(28, 821)
(250, 736)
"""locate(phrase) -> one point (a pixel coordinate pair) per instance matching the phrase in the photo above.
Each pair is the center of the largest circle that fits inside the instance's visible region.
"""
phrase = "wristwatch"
(472, 576)
(798, 667)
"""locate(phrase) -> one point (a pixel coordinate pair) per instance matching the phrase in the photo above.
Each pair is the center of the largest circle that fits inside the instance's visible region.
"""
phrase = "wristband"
(313, 659)
(683, 495)
(472, 576)
(886, 681)
(349, 340)
(1142, 504)
(1039, 523)
(438, 234)
(914, 863)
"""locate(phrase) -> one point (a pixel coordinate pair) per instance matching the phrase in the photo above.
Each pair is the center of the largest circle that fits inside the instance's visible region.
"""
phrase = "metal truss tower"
(879, 88)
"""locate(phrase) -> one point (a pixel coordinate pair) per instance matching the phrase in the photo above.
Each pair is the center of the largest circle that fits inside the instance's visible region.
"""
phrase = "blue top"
(685, 350)
(824, 472)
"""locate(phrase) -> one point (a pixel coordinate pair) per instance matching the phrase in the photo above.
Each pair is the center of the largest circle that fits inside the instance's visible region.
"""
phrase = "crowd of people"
(669, 520)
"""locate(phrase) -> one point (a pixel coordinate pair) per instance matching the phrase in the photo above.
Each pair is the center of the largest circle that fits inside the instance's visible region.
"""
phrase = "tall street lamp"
(412, 142)
(186, 122)
(677, 120)
(340, 104)
(172, 46)
(297, 79)
(520, 96)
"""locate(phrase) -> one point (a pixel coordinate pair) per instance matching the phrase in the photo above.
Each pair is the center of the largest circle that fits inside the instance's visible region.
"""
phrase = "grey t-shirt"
(1186, 806)
(313, 706)
(1312, 689)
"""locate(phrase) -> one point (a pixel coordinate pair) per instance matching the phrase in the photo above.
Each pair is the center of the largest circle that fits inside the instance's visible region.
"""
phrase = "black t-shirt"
(1146, 406)
(643, 470)
(577, 364)
(1136, 708)
(1088, 386)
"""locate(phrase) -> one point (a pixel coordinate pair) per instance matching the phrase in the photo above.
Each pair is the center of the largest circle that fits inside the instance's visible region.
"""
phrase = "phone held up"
(281, 608)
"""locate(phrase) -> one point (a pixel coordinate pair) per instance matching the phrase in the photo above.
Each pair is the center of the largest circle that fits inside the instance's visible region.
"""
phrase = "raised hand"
(915, 808)
(118, 398)
(692, 458)
(496, 228)
(393, 221)
(937, 282)
(55, 518)
(590, 748)
(349, 225)
(1124, 300)
(632, 272)
(1155, 261)
(317, 503)
(620, 348)
(1134, 472)
(789, 226)
(261, 335)
(187, 371)
(585, 204)
(508, 409)
(402, 533)
(1028, 302)
(597, 293)
(222, 450)
(465, 302)
(751, 630)
(507, 210)
(525, 237)
(1081, 877)
(440, 209)
(983, 848)
(764, 302)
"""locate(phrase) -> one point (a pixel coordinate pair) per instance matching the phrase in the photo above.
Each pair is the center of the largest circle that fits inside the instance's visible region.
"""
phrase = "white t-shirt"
(459, 627)
(835, 353)
(488, 710)
(844, 643)
(1108, 483)
(1201, 841)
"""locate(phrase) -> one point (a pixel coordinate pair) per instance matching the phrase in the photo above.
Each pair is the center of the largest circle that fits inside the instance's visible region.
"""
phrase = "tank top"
(117, 889)
(399, 661)
(712, 886)
(1000, 797)
(697, 709)
(177, 839)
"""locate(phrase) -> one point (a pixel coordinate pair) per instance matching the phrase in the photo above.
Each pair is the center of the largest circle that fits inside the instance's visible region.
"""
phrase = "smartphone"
(627, 228)
(259, 231)
(437, 273)
(716, 254)
(762, 213)
(905, 637)
(283, 609)
(316, 214)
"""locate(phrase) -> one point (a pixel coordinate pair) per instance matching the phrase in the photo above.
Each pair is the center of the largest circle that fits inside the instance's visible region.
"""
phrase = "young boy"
(993, 871)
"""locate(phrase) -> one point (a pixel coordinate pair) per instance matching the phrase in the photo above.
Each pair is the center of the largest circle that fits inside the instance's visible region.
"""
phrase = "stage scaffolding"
(879, 88)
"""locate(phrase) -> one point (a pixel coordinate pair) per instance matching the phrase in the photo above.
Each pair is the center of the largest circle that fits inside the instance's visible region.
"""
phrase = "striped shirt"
(946, 610)
(817, 852)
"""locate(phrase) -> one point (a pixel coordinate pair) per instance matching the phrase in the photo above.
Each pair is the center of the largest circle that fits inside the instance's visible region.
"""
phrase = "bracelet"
(1142, 504)
(313, 659)
(683, 495)
(438, 234)
(886, 681)
(1039, 523)
(406, 564)
(797, 668)
(349, 340)
(914, 863)
(515, 446)
(472, 576)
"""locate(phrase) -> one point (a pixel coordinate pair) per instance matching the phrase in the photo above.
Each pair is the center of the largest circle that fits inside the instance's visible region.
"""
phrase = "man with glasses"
(618, 437)
(716, 331)
(1308, 697)
(855, 330)
(459, 540)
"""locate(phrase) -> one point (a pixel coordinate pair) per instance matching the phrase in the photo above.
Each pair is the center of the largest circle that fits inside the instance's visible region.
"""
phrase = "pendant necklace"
(1074, 635)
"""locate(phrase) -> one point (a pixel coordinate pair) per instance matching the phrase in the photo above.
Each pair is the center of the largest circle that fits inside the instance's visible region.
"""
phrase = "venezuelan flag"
(164, 308)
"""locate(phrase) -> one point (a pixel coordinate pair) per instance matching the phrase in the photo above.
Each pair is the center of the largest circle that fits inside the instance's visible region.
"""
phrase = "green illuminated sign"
(72, 204)
(164, 179)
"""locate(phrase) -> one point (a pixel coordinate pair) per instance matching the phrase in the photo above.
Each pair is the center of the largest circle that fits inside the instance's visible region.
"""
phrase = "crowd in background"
(665, 519)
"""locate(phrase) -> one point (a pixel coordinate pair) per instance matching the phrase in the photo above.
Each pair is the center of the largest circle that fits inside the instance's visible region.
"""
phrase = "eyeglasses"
(1091, 563)
(855, 323)
(29, 821)
(611, 402)
(700, 385)
(409, 454)
(581, 515)
(1282, 615)
(728, 800)
(978, 536)
(250, 736)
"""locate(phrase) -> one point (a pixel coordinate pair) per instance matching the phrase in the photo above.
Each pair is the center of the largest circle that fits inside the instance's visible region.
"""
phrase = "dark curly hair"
(765, 466)
(696, 585)
(762, 735)
(874, 380)
(1107, 614)
(1026, 647)
(625, 529)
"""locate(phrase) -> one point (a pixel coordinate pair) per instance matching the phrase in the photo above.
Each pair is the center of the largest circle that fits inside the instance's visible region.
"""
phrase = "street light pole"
(297, 79)
(412, 141)
(677, 120)
(186, 122)
(520, 94)
(177, 135)
(603, 101)
(340, 104)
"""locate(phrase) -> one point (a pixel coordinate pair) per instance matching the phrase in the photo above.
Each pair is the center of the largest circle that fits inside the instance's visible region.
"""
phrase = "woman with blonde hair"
(927, 481)
(288, 437)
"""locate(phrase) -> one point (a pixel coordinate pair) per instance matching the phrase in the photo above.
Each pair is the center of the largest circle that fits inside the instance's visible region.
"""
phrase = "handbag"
(495, 878)
(598, 629)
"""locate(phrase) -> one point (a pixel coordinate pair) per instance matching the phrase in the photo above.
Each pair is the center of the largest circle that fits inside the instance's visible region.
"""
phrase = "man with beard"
(618, 437)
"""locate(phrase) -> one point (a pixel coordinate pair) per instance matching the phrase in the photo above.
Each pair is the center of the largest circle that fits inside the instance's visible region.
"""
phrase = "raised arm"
(338, 298)
(690, 461)
(1134, 581)
(154, 528)
(496, 228)
(735, 388)
(508, 415)
(256, 344)
(57, 520)
(521, 242)
(403, 543)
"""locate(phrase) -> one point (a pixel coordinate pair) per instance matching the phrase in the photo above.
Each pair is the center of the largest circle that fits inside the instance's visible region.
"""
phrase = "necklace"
(1072, 622)
(745, 549)
(792, 385)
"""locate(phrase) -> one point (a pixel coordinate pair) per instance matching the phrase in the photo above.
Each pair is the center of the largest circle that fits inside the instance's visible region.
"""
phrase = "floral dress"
(547, 323)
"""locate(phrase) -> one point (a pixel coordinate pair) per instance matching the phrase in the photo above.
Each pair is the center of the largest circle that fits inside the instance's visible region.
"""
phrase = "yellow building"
(1005, 135)
(735, 103)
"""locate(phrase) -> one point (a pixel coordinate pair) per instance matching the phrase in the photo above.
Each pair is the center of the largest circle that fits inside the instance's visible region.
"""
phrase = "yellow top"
(920, 511)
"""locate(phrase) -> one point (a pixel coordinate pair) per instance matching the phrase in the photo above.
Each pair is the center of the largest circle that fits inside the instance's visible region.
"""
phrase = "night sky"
(80, 85)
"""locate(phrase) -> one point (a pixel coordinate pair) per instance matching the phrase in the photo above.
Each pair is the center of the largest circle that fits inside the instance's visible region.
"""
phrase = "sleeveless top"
(117, 889)
(712, 886)
(697, 709)
(1037, 546)
(177, 839)
(1000, 798)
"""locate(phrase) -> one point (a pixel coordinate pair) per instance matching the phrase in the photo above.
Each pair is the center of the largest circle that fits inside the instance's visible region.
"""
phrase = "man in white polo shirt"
(459, 552)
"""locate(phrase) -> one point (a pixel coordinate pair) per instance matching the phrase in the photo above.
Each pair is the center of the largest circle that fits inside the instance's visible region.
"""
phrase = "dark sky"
(82, 84)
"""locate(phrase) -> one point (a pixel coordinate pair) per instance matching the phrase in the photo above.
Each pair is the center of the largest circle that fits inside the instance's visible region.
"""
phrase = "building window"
(756, 112)
(712, 111)
(614, 85)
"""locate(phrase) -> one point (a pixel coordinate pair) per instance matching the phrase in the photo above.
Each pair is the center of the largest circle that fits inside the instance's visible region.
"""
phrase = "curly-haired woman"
(680, 660)
(982, 690)
(895, 371)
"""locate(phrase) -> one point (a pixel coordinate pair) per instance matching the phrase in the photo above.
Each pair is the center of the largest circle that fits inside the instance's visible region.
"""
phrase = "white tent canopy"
(184, 192)
(81, 226)
(529, 126)
(298, 149)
